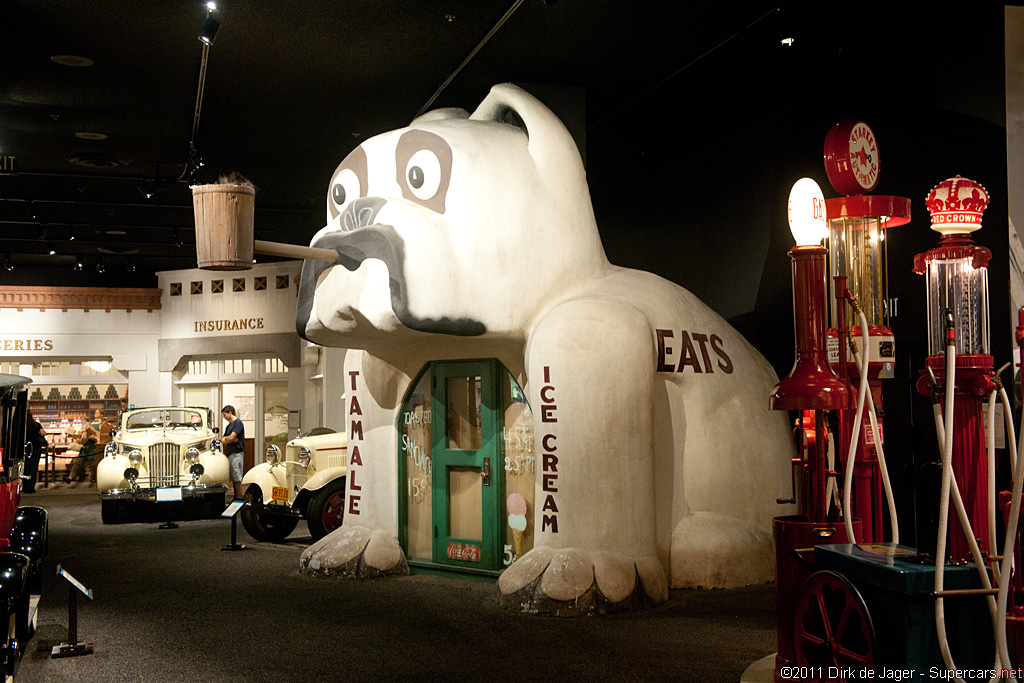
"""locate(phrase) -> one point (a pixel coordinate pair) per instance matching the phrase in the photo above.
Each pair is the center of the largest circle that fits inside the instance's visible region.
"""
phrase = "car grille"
(164, 464)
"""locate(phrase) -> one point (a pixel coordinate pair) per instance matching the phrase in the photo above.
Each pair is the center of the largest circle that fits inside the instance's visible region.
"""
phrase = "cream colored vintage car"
(163, 455)
(306, 481)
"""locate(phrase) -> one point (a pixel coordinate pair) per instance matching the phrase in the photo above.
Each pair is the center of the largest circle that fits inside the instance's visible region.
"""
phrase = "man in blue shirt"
(233, 442)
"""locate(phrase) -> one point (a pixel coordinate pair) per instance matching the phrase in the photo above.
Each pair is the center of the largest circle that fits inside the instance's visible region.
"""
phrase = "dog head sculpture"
(459, 224)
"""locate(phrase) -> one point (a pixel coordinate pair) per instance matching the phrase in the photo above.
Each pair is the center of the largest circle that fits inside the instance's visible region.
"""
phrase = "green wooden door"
(466, 464)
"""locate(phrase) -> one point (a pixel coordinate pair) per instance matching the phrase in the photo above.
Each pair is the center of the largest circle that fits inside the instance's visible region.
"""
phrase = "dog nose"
(361, 213)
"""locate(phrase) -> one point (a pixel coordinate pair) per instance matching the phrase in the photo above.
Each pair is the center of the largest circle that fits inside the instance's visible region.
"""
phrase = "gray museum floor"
(170, 605)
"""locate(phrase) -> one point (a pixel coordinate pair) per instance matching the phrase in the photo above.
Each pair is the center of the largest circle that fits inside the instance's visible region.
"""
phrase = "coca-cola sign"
(464, 552)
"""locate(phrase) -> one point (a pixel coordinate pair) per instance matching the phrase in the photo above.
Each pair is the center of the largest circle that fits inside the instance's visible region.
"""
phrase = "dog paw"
(572, 582)
(354, 552)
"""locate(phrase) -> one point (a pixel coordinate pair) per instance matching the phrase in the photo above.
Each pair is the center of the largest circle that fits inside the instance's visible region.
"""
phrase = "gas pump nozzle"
(934, 383)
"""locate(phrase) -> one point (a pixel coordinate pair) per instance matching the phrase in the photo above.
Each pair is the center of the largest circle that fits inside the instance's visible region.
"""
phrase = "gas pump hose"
(997, 609)
(863, 395)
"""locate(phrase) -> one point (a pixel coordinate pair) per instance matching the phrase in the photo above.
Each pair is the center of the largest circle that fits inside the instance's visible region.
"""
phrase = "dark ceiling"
(290, 88)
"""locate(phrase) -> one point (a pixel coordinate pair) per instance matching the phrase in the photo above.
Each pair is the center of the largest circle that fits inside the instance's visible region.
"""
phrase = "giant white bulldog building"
(517, 403)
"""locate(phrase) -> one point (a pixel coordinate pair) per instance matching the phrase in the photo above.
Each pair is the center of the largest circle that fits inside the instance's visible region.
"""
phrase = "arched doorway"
(466, 467)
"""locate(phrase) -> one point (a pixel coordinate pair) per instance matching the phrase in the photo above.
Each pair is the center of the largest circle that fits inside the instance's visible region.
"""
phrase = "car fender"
(315, 483)
(215, 468)
(110, 472)
(323, 477)
(30, 533)
(14, 569)
(266, 477)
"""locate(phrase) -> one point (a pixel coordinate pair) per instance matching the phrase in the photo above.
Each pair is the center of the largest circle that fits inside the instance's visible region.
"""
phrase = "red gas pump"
(957, 271)
(814, 389)
(857, 224)
(845, 608)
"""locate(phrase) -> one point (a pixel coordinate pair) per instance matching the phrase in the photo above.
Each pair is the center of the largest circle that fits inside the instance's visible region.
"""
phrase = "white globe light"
(807, 219)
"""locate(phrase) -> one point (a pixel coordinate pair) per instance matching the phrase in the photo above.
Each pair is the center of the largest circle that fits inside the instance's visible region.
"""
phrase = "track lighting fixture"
(78, 263)
(101, 267)
(209, 32)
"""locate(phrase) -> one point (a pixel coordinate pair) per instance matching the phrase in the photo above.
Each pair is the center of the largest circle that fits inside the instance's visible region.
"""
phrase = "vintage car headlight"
(110, 449)
(135, 457)
(273, 454)
(192, 455)
(304, 456)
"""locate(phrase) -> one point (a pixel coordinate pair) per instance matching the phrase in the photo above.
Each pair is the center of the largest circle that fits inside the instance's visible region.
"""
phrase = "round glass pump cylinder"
(857, 250)
(954, 284)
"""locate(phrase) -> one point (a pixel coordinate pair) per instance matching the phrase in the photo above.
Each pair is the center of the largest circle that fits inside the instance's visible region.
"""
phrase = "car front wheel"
(262, 525)
(326, 509)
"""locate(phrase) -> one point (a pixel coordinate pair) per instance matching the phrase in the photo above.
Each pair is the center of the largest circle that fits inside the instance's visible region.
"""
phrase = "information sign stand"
(73, 647)
(168, 495)
(232, 512)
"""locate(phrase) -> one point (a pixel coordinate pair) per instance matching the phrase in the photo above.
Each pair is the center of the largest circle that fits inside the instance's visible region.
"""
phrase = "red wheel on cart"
(831, 626)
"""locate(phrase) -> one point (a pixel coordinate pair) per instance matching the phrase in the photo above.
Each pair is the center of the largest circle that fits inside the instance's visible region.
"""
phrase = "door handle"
(485, 472)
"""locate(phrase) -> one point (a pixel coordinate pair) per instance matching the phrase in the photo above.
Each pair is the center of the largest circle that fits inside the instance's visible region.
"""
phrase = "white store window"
(98, 367)
(51, 369)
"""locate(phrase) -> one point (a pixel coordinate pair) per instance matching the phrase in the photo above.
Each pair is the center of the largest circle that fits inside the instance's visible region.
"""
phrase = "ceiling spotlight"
(101, 266)
(49, 247)
(212, 6)
(129, 266)
(209, 31)
(7, 263)
(72, 60)
(78, 263)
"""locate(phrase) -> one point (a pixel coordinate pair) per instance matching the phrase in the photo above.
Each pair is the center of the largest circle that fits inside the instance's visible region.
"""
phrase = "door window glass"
(520, 469)
(414, 442)
(465, 515)
(464, 413)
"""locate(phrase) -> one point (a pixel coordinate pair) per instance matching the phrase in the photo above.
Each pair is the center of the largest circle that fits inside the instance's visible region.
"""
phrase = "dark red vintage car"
(23, 530)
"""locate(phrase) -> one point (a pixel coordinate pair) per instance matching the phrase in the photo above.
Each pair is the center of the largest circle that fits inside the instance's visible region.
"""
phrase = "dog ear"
(550, 143)
(440, 114)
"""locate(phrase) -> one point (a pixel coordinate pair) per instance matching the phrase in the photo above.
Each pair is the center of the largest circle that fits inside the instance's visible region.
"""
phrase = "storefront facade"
(200, 338)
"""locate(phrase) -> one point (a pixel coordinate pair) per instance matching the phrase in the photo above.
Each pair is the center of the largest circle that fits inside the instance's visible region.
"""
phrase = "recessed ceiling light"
(72, 60)
(96, 162)
(90, 136)
(115, 232)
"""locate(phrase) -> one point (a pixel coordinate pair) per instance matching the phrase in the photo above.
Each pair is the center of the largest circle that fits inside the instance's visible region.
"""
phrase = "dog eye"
(345, 187)
(423, 174)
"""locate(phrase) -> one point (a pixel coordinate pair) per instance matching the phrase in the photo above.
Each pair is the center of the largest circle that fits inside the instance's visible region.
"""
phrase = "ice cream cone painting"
(516, 506)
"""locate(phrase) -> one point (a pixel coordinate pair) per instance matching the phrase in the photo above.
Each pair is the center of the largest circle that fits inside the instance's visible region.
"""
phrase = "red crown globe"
(956, 205)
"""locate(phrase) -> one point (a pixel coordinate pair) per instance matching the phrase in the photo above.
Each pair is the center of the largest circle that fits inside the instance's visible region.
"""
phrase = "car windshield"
(166, 418)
